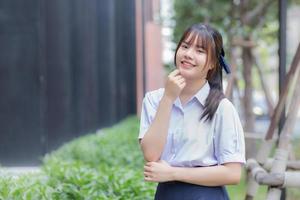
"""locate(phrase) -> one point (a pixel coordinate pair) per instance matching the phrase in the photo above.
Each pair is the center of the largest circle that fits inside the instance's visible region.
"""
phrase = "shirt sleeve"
(230, 142)
(147, 114)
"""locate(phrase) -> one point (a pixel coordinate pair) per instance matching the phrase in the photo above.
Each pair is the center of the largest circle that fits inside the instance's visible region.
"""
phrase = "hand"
(174, 85)
(159, 171)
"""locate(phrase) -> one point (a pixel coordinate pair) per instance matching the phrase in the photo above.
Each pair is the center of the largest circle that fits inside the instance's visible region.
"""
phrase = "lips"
(187, 64)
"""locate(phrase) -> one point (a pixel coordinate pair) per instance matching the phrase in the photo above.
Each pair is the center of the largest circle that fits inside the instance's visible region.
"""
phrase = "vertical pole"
(42, 75)
(143, 46)
(282, 62)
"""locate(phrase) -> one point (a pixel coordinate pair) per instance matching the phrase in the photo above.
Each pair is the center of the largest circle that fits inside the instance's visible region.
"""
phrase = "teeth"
(183, 62)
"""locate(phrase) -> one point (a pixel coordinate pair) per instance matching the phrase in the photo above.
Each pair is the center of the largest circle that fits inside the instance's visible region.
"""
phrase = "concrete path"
(17, 171)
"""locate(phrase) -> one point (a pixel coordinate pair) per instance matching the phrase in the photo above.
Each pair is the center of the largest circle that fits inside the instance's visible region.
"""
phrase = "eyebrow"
(197, 46)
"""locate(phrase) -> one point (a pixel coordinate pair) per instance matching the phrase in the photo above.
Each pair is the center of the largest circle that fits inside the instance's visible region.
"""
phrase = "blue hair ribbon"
(223, 62)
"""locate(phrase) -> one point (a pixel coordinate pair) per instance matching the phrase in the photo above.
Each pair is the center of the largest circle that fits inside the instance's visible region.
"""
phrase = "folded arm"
(226, 174)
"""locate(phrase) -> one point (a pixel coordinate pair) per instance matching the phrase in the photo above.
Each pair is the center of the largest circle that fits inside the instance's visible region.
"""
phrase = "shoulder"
(154, 97)
(227, 118)
(225, 107)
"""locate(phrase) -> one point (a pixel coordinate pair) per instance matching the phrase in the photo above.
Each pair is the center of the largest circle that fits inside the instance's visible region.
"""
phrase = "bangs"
(203, 38)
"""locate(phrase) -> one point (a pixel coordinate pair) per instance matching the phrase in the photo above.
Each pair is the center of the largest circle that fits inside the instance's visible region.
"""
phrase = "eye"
(185, 46)
(201, 51)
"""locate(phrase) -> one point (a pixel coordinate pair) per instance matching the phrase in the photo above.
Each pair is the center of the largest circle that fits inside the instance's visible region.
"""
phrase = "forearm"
(155, 138)
(209, 176)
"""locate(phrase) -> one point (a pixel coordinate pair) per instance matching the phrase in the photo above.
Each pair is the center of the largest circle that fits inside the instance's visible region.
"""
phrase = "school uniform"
(192, 142)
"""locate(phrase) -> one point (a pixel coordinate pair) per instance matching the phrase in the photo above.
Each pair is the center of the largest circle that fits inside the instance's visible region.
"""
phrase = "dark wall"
(67, 68)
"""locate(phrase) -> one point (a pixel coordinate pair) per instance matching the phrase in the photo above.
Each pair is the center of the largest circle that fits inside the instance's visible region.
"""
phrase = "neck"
(192, 87)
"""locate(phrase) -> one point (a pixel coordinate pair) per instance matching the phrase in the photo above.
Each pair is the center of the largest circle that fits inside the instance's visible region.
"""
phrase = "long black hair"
(212, 42)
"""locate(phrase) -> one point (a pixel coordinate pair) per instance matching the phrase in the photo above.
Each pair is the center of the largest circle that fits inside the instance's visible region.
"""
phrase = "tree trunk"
(248, 101)
(264, 86)
(232, 78)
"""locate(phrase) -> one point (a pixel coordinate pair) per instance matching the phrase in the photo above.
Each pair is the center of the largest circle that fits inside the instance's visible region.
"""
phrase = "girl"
(190, 134)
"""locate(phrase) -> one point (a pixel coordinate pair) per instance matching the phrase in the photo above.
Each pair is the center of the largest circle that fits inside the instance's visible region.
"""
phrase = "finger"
(180, 79)
(181, 82)
(147, 174)
(182, 85)
(174, 73)
(177, 77)
(149, 179)
(150, 163)
(147, 169)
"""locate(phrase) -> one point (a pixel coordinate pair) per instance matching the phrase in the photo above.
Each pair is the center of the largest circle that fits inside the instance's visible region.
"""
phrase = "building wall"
(67, 68)
(150, 72)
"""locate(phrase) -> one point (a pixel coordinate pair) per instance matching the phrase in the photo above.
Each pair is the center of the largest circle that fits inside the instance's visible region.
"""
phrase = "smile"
(187, 64)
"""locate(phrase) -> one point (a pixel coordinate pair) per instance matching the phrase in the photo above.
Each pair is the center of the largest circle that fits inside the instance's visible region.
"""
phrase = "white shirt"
(192, 142)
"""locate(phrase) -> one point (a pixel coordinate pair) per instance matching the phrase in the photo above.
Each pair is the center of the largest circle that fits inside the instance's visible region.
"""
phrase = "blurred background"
(73, 74)
(68, 68)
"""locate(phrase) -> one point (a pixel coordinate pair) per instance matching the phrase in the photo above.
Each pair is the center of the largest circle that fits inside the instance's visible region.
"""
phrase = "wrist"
(168, 99)
(175, 173)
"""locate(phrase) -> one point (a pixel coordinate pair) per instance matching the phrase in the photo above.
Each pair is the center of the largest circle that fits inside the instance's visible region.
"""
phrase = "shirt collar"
(202, 94)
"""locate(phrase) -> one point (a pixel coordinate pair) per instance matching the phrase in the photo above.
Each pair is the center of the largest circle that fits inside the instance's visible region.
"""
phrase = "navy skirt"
(175, 190)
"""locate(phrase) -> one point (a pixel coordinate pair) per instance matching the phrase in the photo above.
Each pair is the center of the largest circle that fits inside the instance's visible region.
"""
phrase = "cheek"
(202, 58)
(202, 62)
(177, 59)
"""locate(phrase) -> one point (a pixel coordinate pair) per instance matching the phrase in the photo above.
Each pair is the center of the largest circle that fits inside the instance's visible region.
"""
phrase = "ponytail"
(214, 76)
(215, 94)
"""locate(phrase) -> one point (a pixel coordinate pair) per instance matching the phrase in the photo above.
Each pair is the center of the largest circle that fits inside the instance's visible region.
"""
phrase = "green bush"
(104, 166)
(113, 146)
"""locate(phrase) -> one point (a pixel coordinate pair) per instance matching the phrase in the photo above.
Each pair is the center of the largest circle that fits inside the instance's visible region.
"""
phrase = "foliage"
(104, 166)
(115, 146)
(227, 18)
(192, 11)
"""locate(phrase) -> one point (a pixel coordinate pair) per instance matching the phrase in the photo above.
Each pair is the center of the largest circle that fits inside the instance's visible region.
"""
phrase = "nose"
(188, 53)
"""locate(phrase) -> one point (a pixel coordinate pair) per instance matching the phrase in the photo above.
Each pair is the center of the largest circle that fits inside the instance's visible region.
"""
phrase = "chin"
(186, 73)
